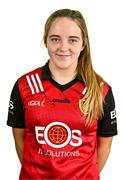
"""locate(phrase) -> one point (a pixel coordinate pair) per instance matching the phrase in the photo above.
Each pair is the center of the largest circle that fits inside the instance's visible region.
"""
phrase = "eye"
(72, 41)
(55, 40)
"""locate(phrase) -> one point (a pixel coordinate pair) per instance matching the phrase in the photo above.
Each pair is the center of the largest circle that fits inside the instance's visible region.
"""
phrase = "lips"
(63, 55)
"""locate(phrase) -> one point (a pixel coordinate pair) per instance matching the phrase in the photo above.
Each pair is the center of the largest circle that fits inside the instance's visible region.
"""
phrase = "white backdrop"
(22, 50)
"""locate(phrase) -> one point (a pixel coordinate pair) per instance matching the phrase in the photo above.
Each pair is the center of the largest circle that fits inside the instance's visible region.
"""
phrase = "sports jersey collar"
(46, 74)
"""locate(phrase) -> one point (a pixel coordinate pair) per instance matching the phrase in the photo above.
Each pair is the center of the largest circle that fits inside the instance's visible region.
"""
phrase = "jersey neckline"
(46, 75)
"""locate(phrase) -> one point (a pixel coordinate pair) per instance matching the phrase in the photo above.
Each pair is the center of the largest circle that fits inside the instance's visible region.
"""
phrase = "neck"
(62, 76)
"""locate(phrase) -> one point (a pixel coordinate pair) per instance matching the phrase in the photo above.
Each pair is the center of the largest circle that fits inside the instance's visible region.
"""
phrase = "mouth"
(63, 55)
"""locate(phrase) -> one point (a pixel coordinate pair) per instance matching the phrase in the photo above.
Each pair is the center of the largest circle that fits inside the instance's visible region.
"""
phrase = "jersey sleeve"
(16, 114)
(107, 125)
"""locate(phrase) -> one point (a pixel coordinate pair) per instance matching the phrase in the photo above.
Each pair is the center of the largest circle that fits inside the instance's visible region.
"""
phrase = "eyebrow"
(54, 36)
(76, 37)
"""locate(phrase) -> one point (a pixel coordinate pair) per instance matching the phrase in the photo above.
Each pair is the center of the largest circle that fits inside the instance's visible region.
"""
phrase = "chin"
(63, 65)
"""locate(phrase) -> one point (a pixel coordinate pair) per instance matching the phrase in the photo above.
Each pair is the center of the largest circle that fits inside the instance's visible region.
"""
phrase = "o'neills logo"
(58, 135)
(60, 100)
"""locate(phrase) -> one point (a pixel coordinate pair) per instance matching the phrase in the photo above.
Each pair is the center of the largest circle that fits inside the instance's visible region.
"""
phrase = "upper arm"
(107, 126)
(19, 135)
(16, 114)
(104, 142)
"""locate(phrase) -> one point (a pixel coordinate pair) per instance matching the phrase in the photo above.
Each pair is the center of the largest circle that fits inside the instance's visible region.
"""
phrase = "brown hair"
(91, 104)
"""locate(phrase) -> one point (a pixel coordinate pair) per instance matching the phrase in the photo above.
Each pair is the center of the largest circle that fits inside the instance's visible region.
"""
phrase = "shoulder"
(31, 74)
(105, 88)
(30, 82)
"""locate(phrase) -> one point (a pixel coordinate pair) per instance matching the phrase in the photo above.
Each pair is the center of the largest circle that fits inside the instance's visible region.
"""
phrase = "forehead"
(65, 26)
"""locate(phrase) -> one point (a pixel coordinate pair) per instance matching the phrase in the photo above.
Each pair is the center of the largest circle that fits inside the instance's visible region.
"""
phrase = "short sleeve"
(16, 114)
(107, 125)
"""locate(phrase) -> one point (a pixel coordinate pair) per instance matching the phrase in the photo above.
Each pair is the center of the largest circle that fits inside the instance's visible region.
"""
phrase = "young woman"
(63, 114)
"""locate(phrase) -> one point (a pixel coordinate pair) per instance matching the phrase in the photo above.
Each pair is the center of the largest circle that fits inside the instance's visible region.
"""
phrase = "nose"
(63, 46)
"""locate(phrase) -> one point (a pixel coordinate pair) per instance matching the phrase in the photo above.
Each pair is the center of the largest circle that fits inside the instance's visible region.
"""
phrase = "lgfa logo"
(58, 135)
(36, 103)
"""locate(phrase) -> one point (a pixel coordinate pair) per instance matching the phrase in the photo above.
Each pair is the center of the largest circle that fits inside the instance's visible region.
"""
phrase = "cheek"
(77, 50)
(80, 49)
(51, 51)
(51, 48)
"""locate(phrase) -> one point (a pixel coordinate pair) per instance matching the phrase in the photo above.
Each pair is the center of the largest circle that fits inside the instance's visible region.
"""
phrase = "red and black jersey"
(57, 143)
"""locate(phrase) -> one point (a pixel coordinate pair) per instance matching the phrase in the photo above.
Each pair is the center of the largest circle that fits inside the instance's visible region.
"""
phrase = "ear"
(82, 48)
(46, 44)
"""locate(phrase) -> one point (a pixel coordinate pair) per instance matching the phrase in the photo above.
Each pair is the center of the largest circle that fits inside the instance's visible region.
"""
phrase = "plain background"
(22, 50)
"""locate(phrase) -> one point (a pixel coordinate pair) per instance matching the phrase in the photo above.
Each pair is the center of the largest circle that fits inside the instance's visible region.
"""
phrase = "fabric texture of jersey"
(57, 143)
